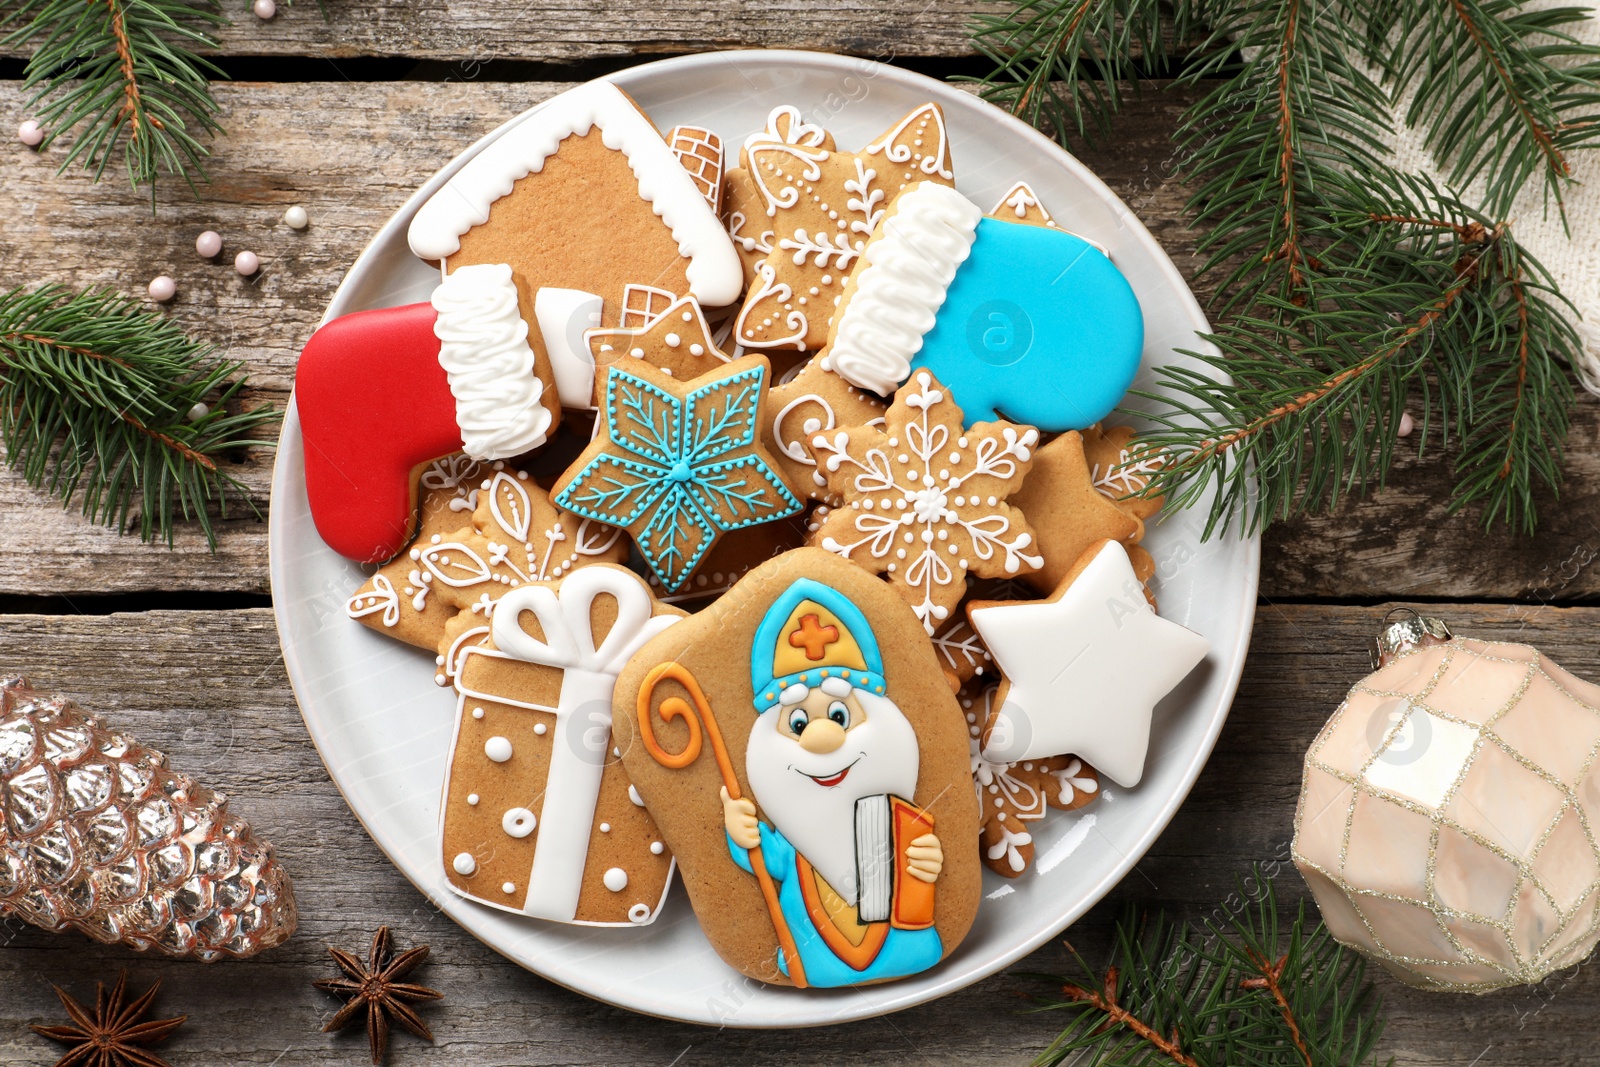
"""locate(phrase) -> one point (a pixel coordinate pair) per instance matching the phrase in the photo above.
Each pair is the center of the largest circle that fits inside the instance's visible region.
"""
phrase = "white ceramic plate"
(383, 728)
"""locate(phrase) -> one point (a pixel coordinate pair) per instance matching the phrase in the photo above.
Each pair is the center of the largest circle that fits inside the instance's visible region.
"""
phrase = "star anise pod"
(111, 1034)
(374, 988)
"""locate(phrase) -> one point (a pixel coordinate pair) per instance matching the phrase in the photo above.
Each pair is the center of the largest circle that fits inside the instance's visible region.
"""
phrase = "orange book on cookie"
(913, 898)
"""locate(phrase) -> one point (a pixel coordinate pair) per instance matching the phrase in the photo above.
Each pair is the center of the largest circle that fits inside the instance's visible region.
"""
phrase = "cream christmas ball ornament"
(1449, 810)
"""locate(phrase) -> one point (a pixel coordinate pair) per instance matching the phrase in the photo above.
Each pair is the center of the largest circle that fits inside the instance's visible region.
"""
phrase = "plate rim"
(289, 461)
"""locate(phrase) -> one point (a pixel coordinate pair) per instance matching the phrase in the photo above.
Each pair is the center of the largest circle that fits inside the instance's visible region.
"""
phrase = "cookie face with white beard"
(806, 763)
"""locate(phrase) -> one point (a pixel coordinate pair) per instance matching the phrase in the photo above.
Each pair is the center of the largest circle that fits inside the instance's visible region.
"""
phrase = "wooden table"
(180, 645)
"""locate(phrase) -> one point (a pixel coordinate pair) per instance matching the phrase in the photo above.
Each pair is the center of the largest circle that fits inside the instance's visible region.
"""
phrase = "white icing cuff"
(483, 348)
(901, 285)
(714, 272)
(564, 316)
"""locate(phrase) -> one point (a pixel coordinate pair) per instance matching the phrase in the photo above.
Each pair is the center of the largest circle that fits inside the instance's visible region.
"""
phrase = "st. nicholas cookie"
(809, 770)
(1026, 321)
(925, 501)
(538, 816)
(679, 463)
(813, 208)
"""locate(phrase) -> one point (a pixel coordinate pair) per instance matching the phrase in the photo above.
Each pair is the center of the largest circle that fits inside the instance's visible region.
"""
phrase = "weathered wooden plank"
(352, 153)
(209, 688)
(465, 36)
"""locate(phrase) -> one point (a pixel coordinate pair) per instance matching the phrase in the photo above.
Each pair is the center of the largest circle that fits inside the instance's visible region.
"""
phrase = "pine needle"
(1242, 990)
(120, 74)
(95, 399)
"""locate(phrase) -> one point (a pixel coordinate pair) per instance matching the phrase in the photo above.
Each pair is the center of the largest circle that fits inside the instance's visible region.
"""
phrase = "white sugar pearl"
(657, 848)
(264, 9)
(509, 887)
(296, 218)
(247, 263)
(162, 288)
(464, 863)
(497, 748)
(199, 411)
(30, 134)
(208, 244)
(616, 879)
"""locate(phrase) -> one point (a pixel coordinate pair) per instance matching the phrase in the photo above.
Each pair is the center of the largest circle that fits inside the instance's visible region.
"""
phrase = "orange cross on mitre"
(813, 637)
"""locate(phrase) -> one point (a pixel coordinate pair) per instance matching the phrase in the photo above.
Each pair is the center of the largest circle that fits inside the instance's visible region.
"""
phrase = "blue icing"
(1038, 326)
(904, 952)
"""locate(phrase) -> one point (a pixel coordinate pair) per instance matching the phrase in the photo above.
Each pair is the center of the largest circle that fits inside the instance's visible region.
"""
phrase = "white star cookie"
(1083, 669)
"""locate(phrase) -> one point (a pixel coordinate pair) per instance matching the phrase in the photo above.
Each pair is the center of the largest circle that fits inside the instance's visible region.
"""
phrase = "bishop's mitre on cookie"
(808, 767)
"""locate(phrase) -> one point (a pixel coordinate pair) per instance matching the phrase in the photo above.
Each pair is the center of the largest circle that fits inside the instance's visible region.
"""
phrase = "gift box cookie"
(539, 816)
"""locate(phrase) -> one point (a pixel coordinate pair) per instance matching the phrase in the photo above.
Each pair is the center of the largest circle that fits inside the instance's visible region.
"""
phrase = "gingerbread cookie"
(398, 599)
(699, 152)
(1084, 668)
(925, 500)
(538, 815)
(808, 768)
(1022, 320)
(1021, 204)
(817, 207)
(1120, 469)
(676, 340)
(751, 228)
(731, 558)
(1068, 511)
(518, 537)
(809, 402)
(1012, 795)
(678, 464)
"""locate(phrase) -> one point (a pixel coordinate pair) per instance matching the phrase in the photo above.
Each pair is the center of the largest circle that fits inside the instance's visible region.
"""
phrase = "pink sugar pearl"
(247, 263)
(264, 9)
(30, 134)
(1407, 424)
(208, 244)
(162, 289)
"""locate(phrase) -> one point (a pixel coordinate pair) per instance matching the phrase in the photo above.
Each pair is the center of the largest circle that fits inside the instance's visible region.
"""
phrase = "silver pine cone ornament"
(100, 836)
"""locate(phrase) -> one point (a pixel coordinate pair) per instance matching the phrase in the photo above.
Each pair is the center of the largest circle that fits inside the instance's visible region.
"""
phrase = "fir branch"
(1065, 65)
(1503, 92)
(122, 73)
(1346, 290)
(1431, 306)
(1281, 124)
(96, 395)
(1239, 991)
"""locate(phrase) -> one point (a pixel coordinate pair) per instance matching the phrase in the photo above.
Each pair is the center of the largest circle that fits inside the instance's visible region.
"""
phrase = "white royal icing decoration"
(616, 879)
(564, 316)
(518, 822)
(1086, 669)
(464, 864)
(483, 347)
(900, 286)
(497, 749)
(582, 711)
(714, 272)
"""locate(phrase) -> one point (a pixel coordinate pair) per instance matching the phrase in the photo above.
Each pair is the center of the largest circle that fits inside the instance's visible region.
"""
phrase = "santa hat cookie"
(381, 393)
(1027, 321)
